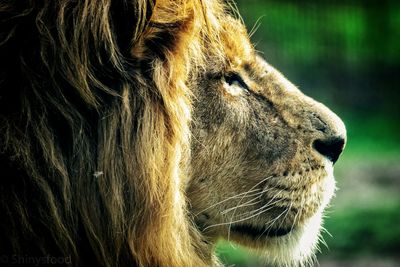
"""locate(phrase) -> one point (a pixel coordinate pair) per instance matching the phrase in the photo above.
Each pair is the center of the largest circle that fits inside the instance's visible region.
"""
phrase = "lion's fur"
(94, 113)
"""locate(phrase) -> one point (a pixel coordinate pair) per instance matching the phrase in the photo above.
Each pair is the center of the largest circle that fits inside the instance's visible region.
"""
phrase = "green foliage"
(234, 255)
(371, 137)
(393, 44)
(307, 33)
(364, 231)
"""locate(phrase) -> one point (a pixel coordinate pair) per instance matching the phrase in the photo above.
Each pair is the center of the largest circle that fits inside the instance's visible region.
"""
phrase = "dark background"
(345, 54)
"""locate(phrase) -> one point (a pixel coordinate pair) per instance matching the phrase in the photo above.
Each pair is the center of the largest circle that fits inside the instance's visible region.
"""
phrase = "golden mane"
(94, 114)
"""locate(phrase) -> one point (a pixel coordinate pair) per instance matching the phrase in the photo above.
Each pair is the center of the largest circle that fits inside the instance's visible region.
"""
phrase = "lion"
(140, 132)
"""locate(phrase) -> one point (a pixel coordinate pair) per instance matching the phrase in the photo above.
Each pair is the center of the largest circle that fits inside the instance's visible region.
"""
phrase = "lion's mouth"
(257, 232)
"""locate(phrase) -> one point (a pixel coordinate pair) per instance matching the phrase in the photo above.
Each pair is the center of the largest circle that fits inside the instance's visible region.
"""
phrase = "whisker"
(270, 202)
(267, 226)
(247, 203)
(323, 229)
(321, 238)
(243, 219)
(263, 180)
(257, 184)
(253, 194)
(249, 213)
(287, 213)
(229, 198)
(266, 207)
(277, 217)
(256, 25)
(298, 214)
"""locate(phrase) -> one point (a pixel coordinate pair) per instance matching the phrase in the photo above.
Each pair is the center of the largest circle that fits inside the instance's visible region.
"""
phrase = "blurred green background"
(346, 54)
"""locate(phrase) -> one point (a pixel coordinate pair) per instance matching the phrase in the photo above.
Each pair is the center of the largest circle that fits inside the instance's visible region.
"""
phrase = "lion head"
(262, 154)
(138, 132)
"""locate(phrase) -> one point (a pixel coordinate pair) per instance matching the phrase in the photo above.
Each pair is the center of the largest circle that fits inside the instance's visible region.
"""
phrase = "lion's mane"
(94, 114)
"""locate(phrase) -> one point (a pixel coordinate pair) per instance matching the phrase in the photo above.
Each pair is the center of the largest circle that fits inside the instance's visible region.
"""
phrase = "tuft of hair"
(94, 114)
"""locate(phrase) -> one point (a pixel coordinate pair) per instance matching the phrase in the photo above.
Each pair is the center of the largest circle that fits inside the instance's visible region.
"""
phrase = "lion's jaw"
(298, 246)
(292, 245)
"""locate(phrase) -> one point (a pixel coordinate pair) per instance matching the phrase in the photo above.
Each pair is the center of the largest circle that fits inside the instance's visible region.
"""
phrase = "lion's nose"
(330, 148)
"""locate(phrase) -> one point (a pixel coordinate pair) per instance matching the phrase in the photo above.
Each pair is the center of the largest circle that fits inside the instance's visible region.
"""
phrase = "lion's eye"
(234, 84)
(234, 79)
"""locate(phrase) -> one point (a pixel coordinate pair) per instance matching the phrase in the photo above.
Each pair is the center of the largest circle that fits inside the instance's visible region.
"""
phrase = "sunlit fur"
(110, 146)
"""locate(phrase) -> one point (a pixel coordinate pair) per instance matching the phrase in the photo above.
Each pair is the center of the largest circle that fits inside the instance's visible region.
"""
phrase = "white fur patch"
(298, 247)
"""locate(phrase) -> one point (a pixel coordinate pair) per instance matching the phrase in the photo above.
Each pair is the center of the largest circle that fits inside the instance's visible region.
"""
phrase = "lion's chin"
(293, 246)
(280, 246)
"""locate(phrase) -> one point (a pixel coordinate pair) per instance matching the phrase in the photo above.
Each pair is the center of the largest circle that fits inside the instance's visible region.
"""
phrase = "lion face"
(262, 155)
